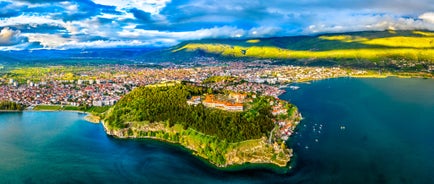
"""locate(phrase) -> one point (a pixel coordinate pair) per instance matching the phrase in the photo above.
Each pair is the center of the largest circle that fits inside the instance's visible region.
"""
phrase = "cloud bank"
(10, 37)
(59, 24)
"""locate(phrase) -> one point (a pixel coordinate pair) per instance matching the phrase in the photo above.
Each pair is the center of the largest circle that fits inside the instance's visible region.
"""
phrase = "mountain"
(396, 49)
(76, 56)
(403, 50)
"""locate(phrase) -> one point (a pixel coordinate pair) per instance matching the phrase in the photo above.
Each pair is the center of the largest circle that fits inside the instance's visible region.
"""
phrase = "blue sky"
(58, 24)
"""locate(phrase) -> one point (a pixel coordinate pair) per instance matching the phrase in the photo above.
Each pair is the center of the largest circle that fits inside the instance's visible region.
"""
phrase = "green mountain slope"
(398, 49)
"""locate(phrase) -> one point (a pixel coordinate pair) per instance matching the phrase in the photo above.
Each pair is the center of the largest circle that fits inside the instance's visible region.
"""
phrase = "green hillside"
(224, 138)
(397, 49)
(161, 104)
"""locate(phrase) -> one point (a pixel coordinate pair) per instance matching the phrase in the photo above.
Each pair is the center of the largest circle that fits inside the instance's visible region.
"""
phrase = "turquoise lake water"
(354, 131)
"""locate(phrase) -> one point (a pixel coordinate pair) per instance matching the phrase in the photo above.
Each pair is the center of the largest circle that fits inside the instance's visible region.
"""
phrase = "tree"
(169, 104)
(7, 105)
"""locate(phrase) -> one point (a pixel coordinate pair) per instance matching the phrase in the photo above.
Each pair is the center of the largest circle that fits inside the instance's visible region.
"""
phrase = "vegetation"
(47, 108)
(265, 52)
(37, 74)
(413, 50)
(218, 78)
(11, 106)
(72, 108)
(222, 137)
(169, 104)
(217, 151)
(96, 110)
(91, 109)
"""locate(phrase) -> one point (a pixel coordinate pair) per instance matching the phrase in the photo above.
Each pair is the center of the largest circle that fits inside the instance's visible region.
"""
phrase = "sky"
(79, 24)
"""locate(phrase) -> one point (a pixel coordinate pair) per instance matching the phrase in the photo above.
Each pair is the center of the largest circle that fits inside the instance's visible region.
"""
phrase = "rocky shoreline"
(92, 118)
(260, 153)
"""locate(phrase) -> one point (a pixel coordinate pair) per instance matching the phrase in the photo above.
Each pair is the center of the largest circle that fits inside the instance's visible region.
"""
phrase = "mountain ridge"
(390, 49)
(407, 50)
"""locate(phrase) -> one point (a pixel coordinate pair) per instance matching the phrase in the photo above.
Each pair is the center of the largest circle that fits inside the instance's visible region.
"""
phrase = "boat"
(294, 87)
(283, 86)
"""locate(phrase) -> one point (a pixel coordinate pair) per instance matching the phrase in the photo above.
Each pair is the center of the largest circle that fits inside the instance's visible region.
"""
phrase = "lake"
(354, 131)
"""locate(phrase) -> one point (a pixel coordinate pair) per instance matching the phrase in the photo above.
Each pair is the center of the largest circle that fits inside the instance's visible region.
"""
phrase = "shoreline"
(229, 168)
(372, 76)
(89, 116)
(402, 75)
(92, 118)
(375, 76)
(11, 111)
(232, 167)
(119, 134)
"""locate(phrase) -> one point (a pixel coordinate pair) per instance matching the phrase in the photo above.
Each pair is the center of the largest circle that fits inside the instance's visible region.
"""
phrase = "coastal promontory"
(223, 127)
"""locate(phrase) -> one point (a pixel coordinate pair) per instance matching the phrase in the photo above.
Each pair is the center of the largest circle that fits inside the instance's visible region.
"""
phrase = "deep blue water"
(372, 130)
(354, 131)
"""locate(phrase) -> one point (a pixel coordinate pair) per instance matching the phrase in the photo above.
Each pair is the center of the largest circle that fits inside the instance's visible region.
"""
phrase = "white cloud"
(151, 6)
(89, 26)
(55, 41)
(71, 28)
(130, 37)
(6, 35)
(21, 46)
(30, 20)
(10, 37)
(216, 32)
(263, 31)
(48, 40)
(199, 19)
(70, 7)
(58, 42)
(114, 43)
(369, 22)
(428, 16)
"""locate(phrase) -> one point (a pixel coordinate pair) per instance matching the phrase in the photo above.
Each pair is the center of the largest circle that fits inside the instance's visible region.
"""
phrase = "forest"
(11, 106)
(169, 104)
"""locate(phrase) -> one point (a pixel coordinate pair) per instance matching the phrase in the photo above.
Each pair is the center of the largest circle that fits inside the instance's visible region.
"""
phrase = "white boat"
(283, 86)
(294, 87)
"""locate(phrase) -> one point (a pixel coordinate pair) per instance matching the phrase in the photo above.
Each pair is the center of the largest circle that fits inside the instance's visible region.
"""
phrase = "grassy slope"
(47, 108)
(93, 109)
(417, 46)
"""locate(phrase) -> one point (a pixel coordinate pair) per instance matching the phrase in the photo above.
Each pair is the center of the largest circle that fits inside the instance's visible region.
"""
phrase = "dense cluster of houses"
(106, 84)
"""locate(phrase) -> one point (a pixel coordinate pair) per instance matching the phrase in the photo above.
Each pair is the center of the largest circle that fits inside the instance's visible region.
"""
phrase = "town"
(105, 85)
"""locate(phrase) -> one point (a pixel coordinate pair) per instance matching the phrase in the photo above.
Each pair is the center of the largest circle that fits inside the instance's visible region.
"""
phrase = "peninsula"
(225, 128)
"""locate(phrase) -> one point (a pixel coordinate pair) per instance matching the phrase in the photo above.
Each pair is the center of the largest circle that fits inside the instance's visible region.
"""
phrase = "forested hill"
(397, 49)
(222, 137)
(169, 104)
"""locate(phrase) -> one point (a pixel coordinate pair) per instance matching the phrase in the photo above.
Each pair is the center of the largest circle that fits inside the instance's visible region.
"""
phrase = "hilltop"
(411, 50)
(225, 129)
